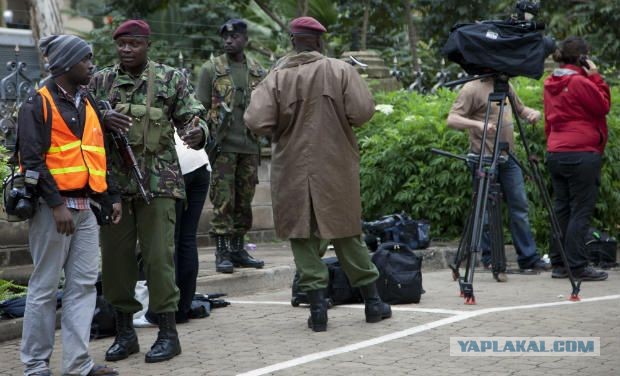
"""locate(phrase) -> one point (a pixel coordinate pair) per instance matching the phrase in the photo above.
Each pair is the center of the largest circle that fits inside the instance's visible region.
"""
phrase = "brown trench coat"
(308, 105)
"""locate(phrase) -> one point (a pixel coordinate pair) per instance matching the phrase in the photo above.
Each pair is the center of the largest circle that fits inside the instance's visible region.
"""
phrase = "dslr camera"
(19, 195)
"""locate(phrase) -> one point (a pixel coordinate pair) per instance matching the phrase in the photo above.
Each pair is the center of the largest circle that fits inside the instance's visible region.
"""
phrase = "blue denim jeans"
(510, 178)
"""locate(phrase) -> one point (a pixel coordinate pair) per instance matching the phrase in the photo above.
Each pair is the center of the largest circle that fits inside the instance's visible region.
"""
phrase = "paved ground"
(262, 334)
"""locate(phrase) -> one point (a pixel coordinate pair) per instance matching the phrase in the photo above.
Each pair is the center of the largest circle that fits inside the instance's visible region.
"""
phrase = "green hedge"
(399, 172)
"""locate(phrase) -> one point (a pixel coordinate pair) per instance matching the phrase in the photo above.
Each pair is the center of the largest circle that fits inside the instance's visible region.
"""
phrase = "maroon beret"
(134, 28)
(306, 25)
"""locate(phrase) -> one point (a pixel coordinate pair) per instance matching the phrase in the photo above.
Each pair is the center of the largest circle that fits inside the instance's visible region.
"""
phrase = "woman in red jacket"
(576, 99)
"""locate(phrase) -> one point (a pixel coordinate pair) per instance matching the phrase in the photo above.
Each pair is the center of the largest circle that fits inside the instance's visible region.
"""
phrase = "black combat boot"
(240, 257)
(126, 341)
(318, 310)
(375, 310)
(167, 344)
(222, 255)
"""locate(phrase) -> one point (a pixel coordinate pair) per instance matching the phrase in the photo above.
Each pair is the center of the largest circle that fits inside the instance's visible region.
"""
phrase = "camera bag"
(400, 273)
(339, 290)
(601, 248)
(397, 228)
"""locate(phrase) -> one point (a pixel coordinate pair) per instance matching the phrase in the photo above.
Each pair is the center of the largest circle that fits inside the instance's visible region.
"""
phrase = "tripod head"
(500, 79)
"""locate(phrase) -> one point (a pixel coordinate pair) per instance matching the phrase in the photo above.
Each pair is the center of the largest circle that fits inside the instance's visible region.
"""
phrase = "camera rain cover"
(497, 46)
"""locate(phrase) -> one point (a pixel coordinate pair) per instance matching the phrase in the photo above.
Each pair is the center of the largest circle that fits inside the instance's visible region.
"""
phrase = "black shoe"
(167, 344)
(559, 272)
(539, 265)
(375, 310)
(590, 274)
(240, 257)
(318, 310)
(126, 341)
(223, 264)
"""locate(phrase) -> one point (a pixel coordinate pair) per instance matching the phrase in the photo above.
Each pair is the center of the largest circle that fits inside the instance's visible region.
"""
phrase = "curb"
(248, 281)
(251, 281)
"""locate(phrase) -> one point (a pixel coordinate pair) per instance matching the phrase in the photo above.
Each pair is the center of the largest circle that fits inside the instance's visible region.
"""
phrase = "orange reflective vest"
(75, 163)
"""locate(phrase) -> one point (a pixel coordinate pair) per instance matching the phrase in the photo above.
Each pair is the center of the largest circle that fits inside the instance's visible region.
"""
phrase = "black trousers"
(186, 250)
(576, 179)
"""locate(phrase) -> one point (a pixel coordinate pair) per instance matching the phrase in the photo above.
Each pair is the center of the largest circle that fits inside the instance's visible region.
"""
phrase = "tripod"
(485, 182)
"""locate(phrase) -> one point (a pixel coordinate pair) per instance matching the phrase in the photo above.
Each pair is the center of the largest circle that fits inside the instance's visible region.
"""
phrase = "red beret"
(306, 25)
(134, 28)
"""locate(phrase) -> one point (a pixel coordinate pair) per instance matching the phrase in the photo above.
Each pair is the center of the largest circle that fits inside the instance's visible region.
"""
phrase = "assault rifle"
(121, 143)
(213, 147)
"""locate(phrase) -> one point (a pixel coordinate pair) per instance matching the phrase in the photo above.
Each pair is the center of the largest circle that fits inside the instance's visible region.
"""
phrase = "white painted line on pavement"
(411, 309)
(408, 332)
(258, 302)
(404, 309)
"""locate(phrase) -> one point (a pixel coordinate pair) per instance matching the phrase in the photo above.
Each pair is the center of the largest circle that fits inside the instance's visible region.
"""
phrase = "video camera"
(400, 228)
(515, 47)
(19, 195)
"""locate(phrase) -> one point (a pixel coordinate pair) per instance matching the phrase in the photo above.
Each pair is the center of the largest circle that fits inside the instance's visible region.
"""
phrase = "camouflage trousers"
(233, 183)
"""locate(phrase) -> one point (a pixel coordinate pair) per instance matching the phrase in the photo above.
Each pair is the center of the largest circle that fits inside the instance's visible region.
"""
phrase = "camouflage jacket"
(222, 90)
(151, 136)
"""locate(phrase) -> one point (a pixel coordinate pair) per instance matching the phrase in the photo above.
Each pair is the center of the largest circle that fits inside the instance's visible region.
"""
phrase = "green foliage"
(9, 290)
(594, 20)
(4, 169)
(399, 173)
(398, 170)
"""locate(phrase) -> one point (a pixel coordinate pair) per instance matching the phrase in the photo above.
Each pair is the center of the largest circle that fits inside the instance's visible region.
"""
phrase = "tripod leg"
(464, 245)
(556, 231)
(498, 251)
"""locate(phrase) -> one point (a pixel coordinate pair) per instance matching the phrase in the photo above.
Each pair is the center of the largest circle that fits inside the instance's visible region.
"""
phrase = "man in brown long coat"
(309, 104)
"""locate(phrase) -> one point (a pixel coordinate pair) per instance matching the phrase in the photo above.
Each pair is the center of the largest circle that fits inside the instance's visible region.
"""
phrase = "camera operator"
(468, 113)
(576, 100)
(61, 138)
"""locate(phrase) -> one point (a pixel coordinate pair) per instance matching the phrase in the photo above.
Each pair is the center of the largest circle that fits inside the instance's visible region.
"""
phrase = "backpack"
(104, 319)
(398, 228)
(601, 248)
(339, 290)
(400, 279)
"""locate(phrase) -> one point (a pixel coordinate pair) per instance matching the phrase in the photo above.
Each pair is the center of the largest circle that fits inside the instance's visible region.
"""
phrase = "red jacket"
(575, 108)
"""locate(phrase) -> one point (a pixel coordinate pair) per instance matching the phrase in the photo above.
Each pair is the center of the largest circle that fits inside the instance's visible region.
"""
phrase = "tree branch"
(272, 15)
(412, 34)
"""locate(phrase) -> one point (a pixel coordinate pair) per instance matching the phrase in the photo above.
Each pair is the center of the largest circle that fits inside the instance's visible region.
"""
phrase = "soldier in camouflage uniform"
(224, 87)
(149, 101)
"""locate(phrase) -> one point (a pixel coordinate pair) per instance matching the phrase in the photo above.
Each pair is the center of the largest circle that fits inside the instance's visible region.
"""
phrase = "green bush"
(4, 169)
(9, 290)
(399, 172)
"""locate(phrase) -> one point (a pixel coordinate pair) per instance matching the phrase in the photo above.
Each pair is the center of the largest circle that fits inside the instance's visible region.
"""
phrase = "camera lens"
(23, 209)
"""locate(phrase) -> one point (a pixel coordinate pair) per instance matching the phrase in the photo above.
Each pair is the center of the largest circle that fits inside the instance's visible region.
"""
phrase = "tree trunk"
(272, 15)
(45, 18)
(412, 33)
(365, 25)
(302, 8)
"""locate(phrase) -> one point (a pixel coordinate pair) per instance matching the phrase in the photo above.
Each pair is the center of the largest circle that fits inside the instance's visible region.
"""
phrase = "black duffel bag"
(339, 290)
(400, 279)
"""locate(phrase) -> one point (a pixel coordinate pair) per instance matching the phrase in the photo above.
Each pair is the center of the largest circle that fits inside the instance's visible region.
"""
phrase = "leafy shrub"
(9, 290)
(4, 157)
(399, 172)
